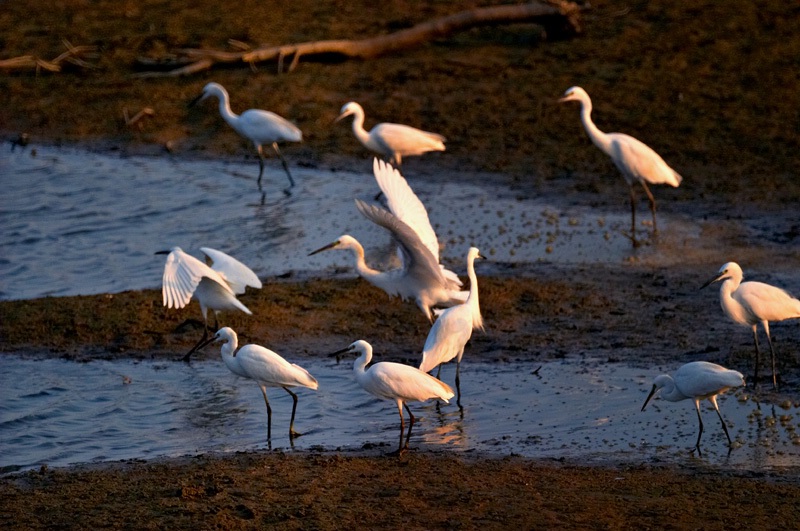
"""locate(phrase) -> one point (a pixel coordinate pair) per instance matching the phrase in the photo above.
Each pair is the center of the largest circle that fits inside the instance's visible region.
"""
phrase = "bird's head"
(574, 94)
(357, 347)
(343, 242)
(729, 270)
(475, 254)
(348, 109)
(658, 383)
(211, 89)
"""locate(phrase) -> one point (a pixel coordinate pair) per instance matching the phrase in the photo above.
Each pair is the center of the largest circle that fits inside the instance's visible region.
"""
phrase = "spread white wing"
(182, 273)
(236, 274)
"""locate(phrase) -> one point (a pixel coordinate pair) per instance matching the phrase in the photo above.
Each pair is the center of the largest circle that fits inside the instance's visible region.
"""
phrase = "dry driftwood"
(553, 13)
(72, 55)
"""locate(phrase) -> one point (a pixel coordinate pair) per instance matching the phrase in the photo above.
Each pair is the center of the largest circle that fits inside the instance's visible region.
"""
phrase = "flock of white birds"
(453, 311)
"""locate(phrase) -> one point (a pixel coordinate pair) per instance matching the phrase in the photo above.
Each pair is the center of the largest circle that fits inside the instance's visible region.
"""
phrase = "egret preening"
(258, 126)
(267, 368)
(215, 287)
(453, 328)
(397, 382)
(697, 380)
(420, 277)
(636, 161)
(750, 303)
(393, 141)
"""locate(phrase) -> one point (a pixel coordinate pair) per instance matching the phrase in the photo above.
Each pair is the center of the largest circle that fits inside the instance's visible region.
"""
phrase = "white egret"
(750, 303)
(697, 380)
(215, 287)
(637, 162)
(395, 381)
(453, 328)
(258, 126)
(394, 141)
(420, 277)
(267, 368)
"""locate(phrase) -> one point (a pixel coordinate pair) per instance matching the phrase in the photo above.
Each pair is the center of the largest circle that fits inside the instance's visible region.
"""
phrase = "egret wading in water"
(698, 380)
(215, 287)
(420, 277)
(395, 381)
(453, 328)
(393, 141)
(266, 368)
(635, 160)
(751, 303)
(258, 126)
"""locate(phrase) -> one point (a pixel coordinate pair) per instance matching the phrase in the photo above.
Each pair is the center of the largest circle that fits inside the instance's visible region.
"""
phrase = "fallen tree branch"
(561, 14)
(72, 55)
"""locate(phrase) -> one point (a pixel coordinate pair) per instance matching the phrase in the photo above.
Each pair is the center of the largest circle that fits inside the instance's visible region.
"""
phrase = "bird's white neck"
(598, 138)
(359, 366)
(372, 276)
(669, 391)
(227, 351)
(358, 128)
(225, 109)
(472, 298)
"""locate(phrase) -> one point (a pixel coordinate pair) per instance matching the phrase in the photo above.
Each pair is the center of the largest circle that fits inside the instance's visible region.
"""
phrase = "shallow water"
(58, 412)
(76, 223)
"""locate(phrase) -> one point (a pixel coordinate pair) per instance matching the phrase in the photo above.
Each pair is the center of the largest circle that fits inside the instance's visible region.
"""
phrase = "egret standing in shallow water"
(420, 277)
(185, 277)
(397, 382)
(453, 328)
(393, 141)
(750, 303)
(260, 127)
(637, 162)
(697, 380)
(267, 368)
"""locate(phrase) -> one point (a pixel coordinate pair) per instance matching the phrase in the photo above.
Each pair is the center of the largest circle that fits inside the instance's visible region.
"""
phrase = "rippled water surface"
(76, 223)
(58, 412)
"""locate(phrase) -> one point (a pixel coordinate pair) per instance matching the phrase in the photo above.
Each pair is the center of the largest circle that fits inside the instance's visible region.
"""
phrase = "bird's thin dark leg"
(758, 356)
(697, 444)
(285, 165)
(439, 372)
(772, 355)
(269, 414)
(260, 164)
(458, 383)
(410, 424)
(188, 355)
(292, 433)
(724, 427)
(652, 205)
(633, 216)
(402, 429)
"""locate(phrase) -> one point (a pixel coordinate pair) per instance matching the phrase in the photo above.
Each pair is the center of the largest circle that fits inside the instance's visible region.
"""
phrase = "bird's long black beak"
(343, 115)
(715, 278)
(652, 392)
(199, 346)
(162, 252)
(196, 100)
(338, 353)
(329, 246)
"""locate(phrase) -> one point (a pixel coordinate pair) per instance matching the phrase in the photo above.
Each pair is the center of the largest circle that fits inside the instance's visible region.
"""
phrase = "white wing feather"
(236, 274)
(407, 207)
(182, 274)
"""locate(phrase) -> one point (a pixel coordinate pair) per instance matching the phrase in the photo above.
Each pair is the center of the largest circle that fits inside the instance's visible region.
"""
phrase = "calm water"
(57, 412)
(76, 223)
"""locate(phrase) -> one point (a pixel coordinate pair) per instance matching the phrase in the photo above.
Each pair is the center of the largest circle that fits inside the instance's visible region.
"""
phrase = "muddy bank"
(324, 491)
